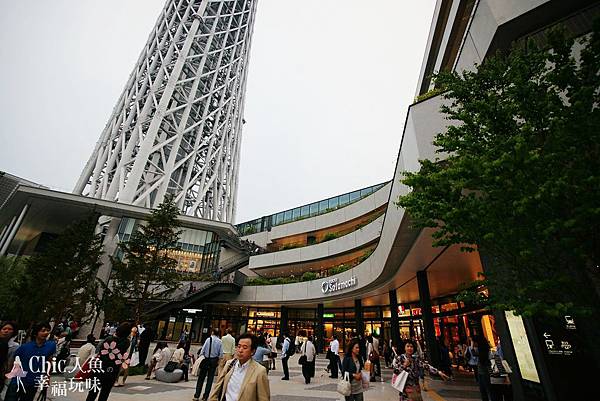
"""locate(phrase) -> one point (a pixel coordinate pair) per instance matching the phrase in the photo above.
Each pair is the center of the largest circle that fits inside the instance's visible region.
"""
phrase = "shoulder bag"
(206, 360)
(399, 380)
(344, 387)
(302, 360)
(171, 365)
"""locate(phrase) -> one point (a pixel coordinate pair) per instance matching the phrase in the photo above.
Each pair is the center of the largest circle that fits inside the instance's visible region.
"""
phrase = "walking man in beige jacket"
(242, 378)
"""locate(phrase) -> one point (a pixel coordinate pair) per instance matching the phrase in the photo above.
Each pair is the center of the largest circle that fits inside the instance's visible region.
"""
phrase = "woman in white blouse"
(308, 368)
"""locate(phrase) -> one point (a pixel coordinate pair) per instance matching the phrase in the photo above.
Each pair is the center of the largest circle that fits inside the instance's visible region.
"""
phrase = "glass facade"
(451, 320)
(303, 212)
(198, 249)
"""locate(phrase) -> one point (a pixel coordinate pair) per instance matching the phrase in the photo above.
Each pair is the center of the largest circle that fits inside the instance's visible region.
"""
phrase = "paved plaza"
(322, 388)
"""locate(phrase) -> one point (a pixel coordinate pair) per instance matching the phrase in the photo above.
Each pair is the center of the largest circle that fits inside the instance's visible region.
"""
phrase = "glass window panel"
(322, 206)
(344, 199)
(296, 213)
(279, 218)
(354, 196)
(334, 202)
(314, 209)
(287, 216)
(305, 211)
(365, 192)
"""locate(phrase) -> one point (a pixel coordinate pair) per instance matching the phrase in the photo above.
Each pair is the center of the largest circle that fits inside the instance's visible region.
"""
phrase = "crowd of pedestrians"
(222, 363)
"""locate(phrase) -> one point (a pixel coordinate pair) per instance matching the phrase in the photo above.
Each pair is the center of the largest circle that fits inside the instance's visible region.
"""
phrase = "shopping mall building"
(348, 264)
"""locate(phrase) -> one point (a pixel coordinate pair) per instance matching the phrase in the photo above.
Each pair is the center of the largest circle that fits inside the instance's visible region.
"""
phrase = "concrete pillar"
(433, 353)
(7, 230)
(358, 314)
(283, 326)
(394, 324)
(109, 245)
(320, 331)
(15, 224)
(4, 231)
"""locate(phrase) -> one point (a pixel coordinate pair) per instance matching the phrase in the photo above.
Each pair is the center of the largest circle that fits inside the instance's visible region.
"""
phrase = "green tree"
(60, 282)
(12, 271)
(144, 271)
(520, 179)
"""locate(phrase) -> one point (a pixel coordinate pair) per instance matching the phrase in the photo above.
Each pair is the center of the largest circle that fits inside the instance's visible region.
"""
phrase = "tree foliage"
(59, 282)
(144, 271)
(521, 179)
(12, 271)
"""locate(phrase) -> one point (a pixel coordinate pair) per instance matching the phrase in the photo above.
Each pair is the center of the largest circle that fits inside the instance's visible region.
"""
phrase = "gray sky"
(329, 85)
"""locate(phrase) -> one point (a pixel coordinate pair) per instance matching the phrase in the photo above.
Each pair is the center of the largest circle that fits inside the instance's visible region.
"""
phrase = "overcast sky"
(329, 85)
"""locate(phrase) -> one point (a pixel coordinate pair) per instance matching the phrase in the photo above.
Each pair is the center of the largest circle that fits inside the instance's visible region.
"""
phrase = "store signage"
(265, 314)
(335, 285)
(523, 351)
(328, 315)
(558, 341)
(172, 319)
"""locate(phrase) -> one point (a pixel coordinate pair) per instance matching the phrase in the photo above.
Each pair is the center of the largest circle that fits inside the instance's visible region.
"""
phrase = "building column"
(394, 323)
(6, 231)
(206, 318)
(109, 244)
(320, 331)
(14, 227)
(360, 325)
(433, 352)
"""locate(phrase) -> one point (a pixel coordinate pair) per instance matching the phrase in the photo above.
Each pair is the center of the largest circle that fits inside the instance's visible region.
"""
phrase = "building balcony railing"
(310, 275)
(303, 212)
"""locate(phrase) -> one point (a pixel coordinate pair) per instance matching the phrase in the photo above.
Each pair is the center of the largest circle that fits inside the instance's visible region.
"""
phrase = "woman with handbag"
(113, 353)
(308, 356)
(124, 371)
(352, 366)
(414, 367)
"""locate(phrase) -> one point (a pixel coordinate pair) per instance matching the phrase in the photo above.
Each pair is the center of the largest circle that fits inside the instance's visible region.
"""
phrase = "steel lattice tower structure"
(176, 128)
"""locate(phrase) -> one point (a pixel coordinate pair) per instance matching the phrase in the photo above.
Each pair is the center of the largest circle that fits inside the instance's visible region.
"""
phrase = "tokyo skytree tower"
(176, 128)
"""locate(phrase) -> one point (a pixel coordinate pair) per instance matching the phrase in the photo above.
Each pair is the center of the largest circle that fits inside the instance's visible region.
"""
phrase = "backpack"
(291, 351)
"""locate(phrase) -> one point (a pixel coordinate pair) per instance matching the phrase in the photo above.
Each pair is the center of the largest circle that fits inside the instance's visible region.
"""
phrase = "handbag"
(302, 360)
(206, 360)
(366, 378)
(399, 380)
(171, 366)
(373, 356)
(135, 359)
(344, 387)
(196, 366)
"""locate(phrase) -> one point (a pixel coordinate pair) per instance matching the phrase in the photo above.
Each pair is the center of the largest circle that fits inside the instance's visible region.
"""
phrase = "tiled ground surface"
(322, 388)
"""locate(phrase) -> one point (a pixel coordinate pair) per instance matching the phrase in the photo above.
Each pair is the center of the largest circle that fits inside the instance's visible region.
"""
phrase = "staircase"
(230, 283)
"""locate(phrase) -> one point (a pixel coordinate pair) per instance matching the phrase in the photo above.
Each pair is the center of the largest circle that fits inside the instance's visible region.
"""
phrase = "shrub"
(365, 255)
(308, 276)
(330, 236)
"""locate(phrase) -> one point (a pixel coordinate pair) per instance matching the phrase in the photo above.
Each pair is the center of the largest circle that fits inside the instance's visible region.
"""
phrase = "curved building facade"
(176, 129)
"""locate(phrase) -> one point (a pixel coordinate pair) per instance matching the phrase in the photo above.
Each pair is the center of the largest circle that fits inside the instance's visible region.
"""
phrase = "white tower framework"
(176, 128)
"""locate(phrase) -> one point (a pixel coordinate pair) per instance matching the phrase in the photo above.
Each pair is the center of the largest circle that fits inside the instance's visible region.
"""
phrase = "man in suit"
(242, 379)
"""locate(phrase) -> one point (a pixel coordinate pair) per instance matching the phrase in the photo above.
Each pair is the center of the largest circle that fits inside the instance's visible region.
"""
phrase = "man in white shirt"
(242, 379)
(334, 347)
(286, 350)
(228, 348)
